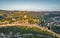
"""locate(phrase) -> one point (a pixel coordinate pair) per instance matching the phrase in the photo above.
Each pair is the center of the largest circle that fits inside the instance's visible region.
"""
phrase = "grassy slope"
(25, 29)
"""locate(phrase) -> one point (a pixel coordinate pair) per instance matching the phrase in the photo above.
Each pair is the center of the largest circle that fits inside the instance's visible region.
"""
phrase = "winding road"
(30, 25)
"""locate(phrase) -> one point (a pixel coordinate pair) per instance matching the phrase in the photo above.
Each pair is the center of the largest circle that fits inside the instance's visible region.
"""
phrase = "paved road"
(36, 35)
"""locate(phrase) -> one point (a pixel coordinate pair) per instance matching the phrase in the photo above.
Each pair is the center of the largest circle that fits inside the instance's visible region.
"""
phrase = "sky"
(30, 5)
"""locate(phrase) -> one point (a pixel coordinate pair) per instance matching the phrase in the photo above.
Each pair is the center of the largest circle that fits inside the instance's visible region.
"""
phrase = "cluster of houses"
(55, 21)
(17, 35)
(2, 35)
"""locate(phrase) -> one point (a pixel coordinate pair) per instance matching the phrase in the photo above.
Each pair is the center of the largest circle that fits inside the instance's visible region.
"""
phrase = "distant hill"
(31, 13)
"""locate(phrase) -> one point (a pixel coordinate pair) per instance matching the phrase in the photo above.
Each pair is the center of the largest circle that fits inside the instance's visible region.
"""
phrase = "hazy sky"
(30, 5)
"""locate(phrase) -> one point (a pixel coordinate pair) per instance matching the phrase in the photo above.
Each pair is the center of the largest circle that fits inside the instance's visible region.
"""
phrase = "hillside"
(25, 22)
(25, 29)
